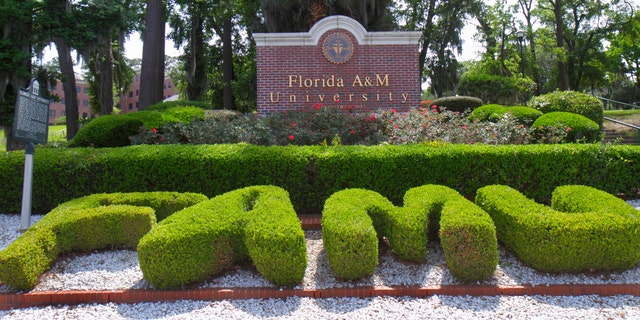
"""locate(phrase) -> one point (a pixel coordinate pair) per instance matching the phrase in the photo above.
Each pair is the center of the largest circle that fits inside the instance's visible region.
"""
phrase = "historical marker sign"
(31, 120)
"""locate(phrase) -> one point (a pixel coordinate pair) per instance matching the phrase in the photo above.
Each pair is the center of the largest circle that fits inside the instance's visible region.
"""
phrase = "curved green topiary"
(257, 223)
(569, 101)
(586, 230)
(467, 233)
(353, 221)
(577, 127)
(89, 223)
(107, 131)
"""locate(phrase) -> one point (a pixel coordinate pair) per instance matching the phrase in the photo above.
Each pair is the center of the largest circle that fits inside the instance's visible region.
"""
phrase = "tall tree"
(152, 73)
(15, 59)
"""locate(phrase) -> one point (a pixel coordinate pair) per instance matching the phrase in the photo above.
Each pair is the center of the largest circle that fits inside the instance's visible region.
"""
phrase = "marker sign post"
(30, 124)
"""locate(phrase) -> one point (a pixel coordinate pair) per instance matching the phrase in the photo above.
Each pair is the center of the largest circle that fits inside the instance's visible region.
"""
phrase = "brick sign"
(337, 64)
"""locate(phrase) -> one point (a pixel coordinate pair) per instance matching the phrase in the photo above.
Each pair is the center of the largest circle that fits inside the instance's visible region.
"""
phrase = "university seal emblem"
(337, 48)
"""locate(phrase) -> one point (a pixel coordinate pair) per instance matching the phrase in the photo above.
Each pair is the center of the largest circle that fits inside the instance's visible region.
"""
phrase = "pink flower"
(395, 126)
(393, 111)
(568, 129)
(317, 106)
(160, 139)
(464, 127)
(154, 130)
(291, 137)
(373, 117)
(293, 124)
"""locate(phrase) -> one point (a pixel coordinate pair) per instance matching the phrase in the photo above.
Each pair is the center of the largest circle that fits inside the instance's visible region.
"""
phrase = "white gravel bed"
(119, 269)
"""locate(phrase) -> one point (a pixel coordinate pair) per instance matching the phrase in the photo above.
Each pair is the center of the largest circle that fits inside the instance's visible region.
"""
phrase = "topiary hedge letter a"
(257, 223)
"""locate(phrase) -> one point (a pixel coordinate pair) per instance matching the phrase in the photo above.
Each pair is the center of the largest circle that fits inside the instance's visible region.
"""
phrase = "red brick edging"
(45, 298)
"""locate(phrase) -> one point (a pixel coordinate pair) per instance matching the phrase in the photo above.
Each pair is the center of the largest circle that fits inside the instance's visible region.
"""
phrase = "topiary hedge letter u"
(585, 229)
(257, 223)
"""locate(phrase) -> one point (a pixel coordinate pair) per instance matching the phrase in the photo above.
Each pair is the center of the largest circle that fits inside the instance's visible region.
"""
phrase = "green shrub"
(524, 115)
(89, 223)
(496, 89)
(467, 233)
(256, 223)
(163, 106)
(569, 101)
(458, 103)
(577, 127)
(586, 230)
(353, 221)
(487, 112)
(107, 131)
(149, 119)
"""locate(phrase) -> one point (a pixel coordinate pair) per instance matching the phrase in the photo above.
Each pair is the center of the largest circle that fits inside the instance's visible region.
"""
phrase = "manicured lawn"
(56, 133)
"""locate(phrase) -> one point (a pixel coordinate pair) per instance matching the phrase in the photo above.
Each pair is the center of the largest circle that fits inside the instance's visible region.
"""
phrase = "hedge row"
(585, 230)
(89, 223)
(312, 174)
(355, 220)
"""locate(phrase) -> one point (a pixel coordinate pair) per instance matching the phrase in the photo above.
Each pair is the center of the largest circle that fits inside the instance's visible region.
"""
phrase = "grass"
(57, 133)
(619, 130)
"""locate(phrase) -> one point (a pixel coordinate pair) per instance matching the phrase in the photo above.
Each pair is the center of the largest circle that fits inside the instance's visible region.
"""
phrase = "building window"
(85, 90)
(137, 93)
(52, 113)
(137, 105)
(77, 89)
(137, 78)
(130, 94)
(62, 101)
(130, 106)
(84, 115)
(169, 84)
(62, 113)
(85, 103)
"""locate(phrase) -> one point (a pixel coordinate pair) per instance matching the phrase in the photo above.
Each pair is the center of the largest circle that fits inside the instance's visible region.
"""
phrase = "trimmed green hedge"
(355, 220)
(256, 223)
(495, 112)
(89, 223)
(586, 230)
(467, 233)
(578, 128)
(458, 103)
(570, 101)
(312, 174)
(107, 131)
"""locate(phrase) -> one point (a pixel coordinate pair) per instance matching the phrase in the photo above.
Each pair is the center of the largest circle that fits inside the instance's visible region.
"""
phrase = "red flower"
(160, 139)
(293, 124)
(352, 131)
(373, 117)
(393, 111)
(291, 137)
(154, 130)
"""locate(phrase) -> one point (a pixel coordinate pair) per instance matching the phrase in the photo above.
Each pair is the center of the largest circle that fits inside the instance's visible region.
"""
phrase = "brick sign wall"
(337, 64)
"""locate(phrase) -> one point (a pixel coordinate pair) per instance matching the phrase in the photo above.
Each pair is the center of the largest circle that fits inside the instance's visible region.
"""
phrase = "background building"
(126, 103)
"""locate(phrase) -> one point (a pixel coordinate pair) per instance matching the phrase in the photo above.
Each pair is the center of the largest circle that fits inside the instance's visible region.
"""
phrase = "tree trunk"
(227, 64)
(152, 73)
(104, 67)
(563, 77)
(69, 87)
(196, 72)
